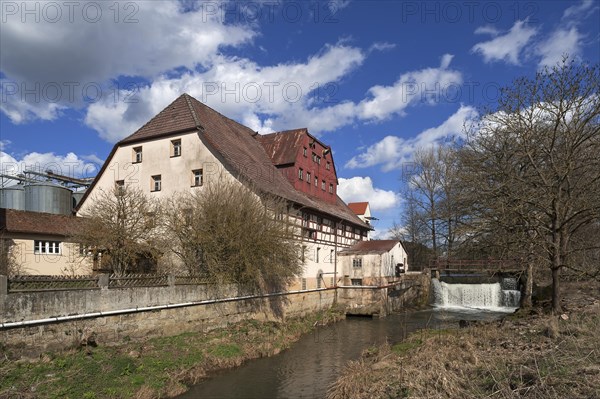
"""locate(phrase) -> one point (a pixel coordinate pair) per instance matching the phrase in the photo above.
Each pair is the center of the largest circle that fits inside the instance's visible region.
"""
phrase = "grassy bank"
(528, 355)
(155, 368)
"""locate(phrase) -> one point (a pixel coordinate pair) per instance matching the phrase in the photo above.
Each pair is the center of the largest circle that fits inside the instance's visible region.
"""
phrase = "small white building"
(374, 262)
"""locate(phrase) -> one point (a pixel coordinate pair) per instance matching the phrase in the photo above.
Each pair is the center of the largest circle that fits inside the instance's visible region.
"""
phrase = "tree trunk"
(556, 290)
(526, 303)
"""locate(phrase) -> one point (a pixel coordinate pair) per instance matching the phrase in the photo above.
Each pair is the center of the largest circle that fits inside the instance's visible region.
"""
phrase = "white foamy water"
(489, 297)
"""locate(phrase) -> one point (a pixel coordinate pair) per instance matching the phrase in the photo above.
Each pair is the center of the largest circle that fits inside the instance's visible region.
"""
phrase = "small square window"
(357, 263)
(356, 281)
(175, 148)
(120, 187)
(156, 183)
(137, 155)
(197, 178)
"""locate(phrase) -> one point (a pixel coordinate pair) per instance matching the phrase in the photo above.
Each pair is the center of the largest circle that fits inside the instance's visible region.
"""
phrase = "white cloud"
(238, 88)
(360, 189)
(416, 86)
(62, 53)
(487, 30)
(507, 47)
(578, 11)
(393, 152)
(68, 165)
(561, 42)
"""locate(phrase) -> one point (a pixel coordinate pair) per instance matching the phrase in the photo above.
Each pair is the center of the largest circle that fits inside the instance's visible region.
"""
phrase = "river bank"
(158, 367)
(531, 354)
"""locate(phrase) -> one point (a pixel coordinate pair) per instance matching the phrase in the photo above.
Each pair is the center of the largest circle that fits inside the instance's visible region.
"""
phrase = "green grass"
(162, 365)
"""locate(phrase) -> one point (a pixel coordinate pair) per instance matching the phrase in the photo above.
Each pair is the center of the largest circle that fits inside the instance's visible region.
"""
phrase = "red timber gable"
(306, 162)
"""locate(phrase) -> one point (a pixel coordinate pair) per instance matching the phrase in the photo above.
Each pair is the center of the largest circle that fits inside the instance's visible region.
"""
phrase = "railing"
(29, 283)
(138, 280)
(475, 264)
(52, 283)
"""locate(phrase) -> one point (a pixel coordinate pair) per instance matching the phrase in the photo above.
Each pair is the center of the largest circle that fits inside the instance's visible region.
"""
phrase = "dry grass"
(532, 355)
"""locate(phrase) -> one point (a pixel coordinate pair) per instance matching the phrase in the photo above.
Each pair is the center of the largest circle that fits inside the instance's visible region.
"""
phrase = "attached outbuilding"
(373, 262)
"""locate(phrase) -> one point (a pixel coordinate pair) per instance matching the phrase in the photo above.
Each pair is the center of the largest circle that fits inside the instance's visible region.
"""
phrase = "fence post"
(103, 281)
(3, 285)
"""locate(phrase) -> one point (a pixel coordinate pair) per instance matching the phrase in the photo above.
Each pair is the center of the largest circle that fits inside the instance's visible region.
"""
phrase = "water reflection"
(308, 368)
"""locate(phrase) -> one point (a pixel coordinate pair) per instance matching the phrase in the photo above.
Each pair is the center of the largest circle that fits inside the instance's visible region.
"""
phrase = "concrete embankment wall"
(63, 319)
(410, 290)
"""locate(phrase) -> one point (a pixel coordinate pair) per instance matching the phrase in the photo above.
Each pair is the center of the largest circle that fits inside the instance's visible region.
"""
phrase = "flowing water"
(503, 296)
(313, 363)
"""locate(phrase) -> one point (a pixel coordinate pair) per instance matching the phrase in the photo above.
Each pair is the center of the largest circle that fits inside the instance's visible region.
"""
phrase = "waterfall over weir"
(501, 297)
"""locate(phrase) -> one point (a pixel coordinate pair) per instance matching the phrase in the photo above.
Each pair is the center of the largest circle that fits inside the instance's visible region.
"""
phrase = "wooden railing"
(475, 264)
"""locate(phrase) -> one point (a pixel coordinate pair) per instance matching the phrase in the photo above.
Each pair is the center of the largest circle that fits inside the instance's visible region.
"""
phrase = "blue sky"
(374, 79)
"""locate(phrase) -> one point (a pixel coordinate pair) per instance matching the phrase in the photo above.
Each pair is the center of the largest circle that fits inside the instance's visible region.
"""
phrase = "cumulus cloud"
(264, 97)
(58, 49)
(271, 98)
(360, 189)
(68, 165)
(393, 152)
(506, 47)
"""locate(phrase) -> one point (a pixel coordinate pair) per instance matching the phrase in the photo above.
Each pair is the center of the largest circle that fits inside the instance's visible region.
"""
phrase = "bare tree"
(121, 227)
(533, 166)
(229, 234)
(431, 198)
(9, 258)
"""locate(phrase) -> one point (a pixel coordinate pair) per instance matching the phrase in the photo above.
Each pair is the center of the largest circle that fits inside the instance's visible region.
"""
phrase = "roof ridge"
(188, 100)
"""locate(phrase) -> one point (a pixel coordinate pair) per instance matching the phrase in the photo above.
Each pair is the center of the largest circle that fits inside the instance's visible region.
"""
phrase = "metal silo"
(77, 196)
(12, 197)
(49, 198)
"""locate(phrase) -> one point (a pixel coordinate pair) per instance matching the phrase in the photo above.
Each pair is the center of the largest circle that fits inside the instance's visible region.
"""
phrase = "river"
(312, 364)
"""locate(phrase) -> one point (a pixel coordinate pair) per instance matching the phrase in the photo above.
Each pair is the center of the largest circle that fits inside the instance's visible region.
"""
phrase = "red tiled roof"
(282, 147)
(15, 221)
(373, 247)
(239, 148)
(358, 207)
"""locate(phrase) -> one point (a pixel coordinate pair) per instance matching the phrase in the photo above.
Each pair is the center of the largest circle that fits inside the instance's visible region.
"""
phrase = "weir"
(503, 296)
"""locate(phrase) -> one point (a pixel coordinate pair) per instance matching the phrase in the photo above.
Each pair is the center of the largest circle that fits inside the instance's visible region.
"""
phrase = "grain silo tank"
(49, 198)
(13, 197)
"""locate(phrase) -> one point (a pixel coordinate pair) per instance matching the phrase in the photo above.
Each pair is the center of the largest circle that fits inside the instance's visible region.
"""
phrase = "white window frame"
(197, 177)
(156, 183)
(137, 155)
(41, 247)
(175, 148)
